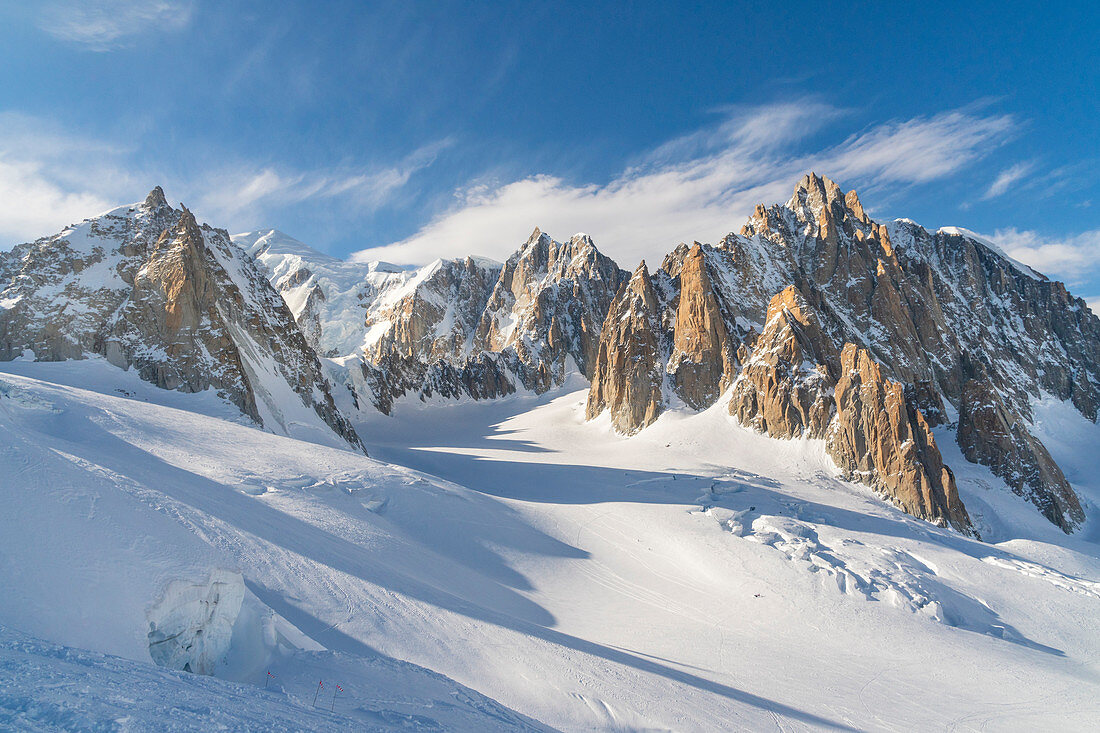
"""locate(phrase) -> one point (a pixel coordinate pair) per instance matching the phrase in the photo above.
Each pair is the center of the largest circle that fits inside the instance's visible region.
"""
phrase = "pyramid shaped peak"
(641, 284)
(156, 199)
(537, 235)
(813, 183)
(187, 219)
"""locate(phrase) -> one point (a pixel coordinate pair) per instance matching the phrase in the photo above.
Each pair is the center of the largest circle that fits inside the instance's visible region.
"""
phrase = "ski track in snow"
(694, 577)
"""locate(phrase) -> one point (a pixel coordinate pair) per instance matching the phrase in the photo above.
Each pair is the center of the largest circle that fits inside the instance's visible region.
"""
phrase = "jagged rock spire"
(156, 199)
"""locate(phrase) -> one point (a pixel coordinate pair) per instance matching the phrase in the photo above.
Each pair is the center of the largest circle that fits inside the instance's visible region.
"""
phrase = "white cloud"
(103, 25)
(922, 149)
(243, 191)
(1094, 306)
(50, 178)
(1070, 259)
(700, 186)
(30, 202)
(1006, 178)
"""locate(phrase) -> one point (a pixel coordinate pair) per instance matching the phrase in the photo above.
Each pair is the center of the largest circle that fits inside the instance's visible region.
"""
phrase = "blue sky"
(413, 130)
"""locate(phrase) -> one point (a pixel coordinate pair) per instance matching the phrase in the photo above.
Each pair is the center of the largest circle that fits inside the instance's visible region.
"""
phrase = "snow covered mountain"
(595, 499)
(945, 327)
(145, 287)
(454, 328)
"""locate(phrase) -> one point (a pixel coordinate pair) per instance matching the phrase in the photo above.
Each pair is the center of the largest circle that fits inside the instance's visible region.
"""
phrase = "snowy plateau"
(247, 486)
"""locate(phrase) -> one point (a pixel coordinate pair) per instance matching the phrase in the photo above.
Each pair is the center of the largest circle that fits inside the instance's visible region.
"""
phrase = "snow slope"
(695, 577)
(349, 288)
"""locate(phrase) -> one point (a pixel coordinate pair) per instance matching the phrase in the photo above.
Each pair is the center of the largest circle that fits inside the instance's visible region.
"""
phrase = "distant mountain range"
(814, 321)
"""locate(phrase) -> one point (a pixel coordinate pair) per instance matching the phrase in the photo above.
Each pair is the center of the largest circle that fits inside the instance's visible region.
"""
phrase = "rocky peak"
(878, 438)
(147, 288)
(156, 199)
(852, 203)
(920, 303)
(640, 286)
(628, 379)
(786, 386)
(178, 269)
(703, 352)
(457, 327)
(815, 193)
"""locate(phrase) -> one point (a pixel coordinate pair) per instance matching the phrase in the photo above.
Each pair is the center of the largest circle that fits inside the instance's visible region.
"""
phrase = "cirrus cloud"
(700, 186)
(1072, 258)
(104, 25)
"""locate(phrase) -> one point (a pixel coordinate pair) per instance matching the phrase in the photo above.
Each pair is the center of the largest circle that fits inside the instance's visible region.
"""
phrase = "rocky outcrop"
(455, 328)
(786, 386)
(992, 434)
(147, 287)
(926, 306)
(796, 385)
(703, 351)
(628, 381)
(879, 439)
(434, 315)
(549, 304)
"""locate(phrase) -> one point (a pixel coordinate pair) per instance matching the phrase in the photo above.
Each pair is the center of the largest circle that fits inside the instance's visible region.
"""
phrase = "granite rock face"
(879, 439)
(628, 381)
(992, 434)
(703, 352)
(786, 387)
(935, 310)
(548, 305)
(147, 287)
(796, 385)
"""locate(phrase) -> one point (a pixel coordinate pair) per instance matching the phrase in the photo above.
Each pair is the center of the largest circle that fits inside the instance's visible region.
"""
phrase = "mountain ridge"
(146, 287)
(941, 328)
(903, 293)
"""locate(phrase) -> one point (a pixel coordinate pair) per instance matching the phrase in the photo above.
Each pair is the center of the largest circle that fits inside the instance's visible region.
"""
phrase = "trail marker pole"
(320, 686)
(333, 708)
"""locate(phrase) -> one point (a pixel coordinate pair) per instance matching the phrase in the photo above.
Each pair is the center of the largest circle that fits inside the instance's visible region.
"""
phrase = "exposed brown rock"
(703, 353)
(548, 304)
(173, 304)
(176, 301)
(629, 373)
(878, 439)
(851, 200)
(786, 387)
(992, 434)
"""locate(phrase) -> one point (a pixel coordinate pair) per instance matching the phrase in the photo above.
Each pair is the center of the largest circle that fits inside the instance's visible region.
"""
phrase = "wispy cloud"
(1071, 259)
(245, 192)
(1006, 178)
(702, 185)
(50, 178)
(46, 176)
(922, 149)
(104, 25)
